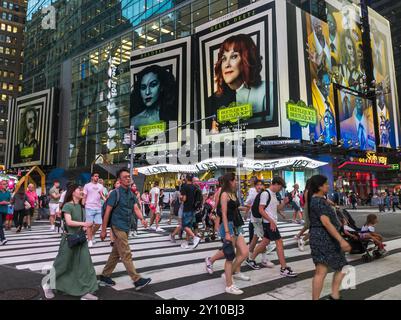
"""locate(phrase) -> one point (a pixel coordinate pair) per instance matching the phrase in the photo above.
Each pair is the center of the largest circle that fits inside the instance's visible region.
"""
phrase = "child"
(368, 232)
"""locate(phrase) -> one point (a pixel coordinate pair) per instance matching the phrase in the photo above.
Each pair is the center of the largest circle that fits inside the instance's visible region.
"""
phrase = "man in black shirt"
(188, 198)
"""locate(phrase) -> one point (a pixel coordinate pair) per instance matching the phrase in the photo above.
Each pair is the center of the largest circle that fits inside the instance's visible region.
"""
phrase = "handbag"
(27, 205)
(76, 239)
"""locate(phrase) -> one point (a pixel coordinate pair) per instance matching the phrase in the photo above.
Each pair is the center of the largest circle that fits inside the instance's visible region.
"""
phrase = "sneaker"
(90, 244)
(48, 292)
(302, 222)
(287, 272)
(141, 283)
(234, 290)
(296, 237)
(241, 276)
(29, 228)
(89, 296)
(134, 234)
(94, 241)
(209, 265)
(301, 245)
(106, 281)
(267, 263)
(196, 242)
(52, 228)
(18, 230)
(130, 234)
(270, 248)
(159, 230)
(152, 228)
(172, 238)
(252, 264)
(185, 245)
(4, 242)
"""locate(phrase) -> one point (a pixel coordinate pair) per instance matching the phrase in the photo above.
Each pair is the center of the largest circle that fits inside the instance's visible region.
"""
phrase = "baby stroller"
(366, 247)
(208, 223)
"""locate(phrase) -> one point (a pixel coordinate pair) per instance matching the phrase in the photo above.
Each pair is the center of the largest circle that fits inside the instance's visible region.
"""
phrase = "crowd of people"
(84, 211)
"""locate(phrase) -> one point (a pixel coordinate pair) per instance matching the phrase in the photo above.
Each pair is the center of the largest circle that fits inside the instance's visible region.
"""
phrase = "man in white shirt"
(268, 209)
(154, 207)
(93, 206)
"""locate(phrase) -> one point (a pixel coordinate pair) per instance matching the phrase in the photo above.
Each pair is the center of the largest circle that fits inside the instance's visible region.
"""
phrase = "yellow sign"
(372, 158)
(27, 152)
(301, 113)
(232, 114)
(154, 129)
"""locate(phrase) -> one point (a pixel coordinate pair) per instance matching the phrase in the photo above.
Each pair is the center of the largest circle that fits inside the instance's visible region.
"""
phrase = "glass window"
(167, 27)
(218, 8)
(183, 21)
(139, 38)
(200, 12)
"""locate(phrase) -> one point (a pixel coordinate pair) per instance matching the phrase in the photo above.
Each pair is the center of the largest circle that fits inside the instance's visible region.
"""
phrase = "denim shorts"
(94, 215)
(234, 231)
(188, 218)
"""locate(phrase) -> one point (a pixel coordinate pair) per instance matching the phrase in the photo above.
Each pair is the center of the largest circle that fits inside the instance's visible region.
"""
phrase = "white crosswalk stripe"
(180, 273)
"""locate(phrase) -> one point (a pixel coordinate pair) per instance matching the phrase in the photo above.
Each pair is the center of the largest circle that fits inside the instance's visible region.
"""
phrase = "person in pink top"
(33, 201)
(93, 206)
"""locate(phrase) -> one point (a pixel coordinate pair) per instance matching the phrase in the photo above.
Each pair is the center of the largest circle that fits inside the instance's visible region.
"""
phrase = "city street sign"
(127, 139)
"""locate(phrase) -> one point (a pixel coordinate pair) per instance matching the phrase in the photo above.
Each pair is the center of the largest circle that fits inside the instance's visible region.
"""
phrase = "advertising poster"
(356, 121)
(383, 71)
(237, 77)
(31, 140)
(160, 91)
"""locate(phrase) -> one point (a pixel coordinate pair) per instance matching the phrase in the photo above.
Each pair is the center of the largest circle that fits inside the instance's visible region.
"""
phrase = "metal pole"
(239, 157)
(132, 145)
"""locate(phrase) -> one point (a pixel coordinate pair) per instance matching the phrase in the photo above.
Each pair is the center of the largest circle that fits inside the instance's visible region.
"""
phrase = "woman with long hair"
(234, 246)
(73, 268)
(154, 97)
(327, 245)
(18, 201)
(238, 75)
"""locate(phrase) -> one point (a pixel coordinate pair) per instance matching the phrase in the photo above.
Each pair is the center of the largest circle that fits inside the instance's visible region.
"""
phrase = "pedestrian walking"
(155, 207)
(73, 267)
(120, 207)
(296, 204)
(92, 201)
(326, 243)
(301, 239)
(395, 202)
(43, 207)
(145, 202)
(19, 201)
(174, 204)
(268, 209)
(387, 201)
(381, 202)
(5, 198)
(231, 231)
(33, 200)
(55, 195)
(134, 221)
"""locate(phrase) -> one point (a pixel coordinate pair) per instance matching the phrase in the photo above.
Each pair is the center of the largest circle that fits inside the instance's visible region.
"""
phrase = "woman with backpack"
(73, 268)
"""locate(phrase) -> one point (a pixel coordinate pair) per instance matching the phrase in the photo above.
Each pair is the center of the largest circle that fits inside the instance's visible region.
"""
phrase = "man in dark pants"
(5, 198)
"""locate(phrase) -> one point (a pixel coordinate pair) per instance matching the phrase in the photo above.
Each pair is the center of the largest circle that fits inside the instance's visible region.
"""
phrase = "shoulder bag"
(76, 239)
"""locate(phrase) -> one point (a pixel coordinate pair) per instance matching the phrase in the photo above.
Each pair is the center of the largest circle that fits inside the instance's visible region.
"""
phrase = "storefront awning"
(247, 164)
(358, 166)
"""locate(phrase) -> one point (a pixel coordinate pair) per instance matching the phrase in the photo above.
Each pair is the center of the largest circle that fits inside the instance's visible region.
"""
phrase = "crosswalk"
(180, 274)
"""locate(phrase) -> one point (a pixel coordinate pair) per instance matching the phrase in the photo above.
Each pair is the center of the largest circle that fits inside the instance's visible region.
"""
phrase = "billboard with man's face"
(237, 56)
(31, 140)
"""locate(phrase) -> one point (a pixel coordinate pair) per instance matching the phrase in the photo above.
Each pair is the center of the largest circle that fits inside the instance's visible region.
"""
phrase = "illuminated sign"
(301, 113)
(154, 128)
(371, 158)
(232, 114)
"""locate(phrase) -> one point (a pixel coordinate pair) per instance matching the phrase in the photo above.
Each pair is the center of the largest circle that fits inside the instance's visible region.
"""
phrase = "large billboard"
(238, 72)
(161, 87)
(383, 71)
(30, 133)
(357, 128)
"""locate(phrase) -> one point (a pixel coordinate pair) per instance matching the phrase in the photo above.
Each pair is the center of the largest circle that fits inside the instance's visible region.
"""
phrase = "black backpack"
(114, 206)
(255, 205)
(198, 199)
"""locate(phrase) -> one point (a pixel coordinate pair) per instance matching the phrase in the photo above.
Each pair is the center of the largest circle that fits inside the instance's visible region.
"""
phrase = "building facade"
(12, 21)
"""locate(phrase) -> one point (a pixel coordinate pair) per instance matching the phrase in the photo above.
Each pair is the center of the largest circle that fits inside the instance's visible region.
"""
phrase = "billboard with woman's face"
(31, 141)
(161, 91)
(237, 70)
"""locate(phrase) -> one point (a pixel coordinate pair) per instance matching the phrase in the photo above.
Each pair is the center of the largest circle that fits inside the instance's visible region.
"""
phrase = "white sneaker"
(134, 234)
(48, 292)
(196, 242)
(209, 265)
(89, 296)
(241, 276)
(270, 248)
(296, 237)
(3, 243)
(90, 244)
(185, 245)
(93, 241)
(267, 263)
(234, 290)
(52, 228)
(159, 230)
(152, 228)
(301, 245)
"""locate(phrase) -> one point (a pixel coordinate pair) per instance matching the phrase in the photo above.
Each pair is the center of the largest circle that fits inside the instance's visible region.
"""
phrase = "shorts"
(9, 217)
(258, 229)
(234, 231)
(94, 216)
(54, 208)
(269, 234)
(154, 209)
(180, 212)
(30, 212)
(188, 219)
